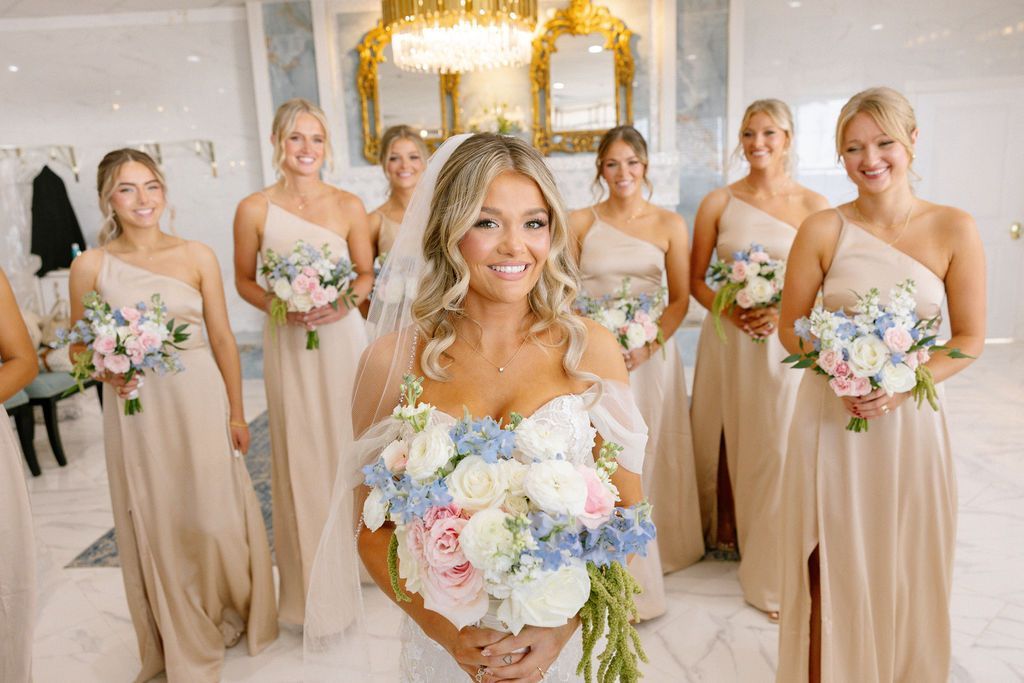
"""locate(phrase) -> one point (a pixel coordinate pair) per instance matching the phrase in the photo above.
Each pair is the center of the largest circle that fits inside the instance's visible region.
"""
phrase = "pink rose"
(743, 299)
(923, 356)
(828, 359)
(435, 514)
(332, 293)
(396, 455)
(841, 369)
(149, 341)
(104, 345)
(98, 362)
(441, 543)
(135, 350)
(303, 284)
(309, 271)
(841, 386)
(600, 499)
(130, 313)
(457, 593)
(739, 271)
(897, 339)
(319, 297)
(860, 386)
(760, 257)
(117, 363)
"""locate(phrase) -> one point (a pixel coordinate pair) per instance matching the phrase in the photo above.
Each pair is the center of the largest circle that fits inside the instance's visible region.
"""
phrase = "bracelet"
(235, 423)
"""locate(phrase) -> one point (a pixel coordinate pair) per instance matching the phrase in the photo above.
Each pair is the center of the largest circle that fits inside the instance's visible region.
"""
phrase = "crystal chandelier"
(453, 36)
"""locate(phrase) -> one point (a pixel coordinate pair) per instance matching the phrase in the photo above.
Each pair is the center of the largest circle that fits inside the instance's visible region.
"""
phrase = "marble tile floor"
(84, 633)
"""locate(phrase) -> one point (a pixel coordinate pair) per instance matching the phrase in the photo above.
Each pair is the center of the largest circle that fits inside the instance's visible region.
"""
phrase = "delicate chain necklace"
(772, 194)
(303, 199)
(639, 212)
(500, 368)
(906, 221)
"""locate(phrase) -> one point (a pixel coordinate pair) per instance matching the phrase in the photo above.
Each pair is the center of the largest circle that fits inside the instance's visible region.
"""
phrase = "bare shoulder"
(253, 208)
(812, 200)
(378, 355)
(822, 224)
(715, 201)
(580, 220)
(954, 226)
(87, 264)
(200, 253)
(346, 200)
(602, 355)
(670, 221)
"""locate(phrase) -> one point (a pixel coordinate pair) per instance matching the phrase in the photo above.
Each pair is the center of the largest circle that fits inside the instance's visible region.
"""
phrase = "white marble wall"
(104, 82)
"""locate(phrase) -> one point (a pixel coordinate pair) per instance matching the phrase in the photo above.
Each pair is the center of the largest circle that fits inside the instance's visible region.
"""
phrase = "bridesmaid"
(403, 157)
(17, 562)
(306, 390)
(740, 445)
(627, 236)
(869, 519)
(190, 534)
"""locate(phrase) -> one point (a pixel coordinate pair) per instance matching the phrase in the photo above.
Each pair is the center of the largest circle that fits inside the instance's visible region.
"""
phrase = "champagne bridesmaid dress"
(190, 535)
(879, 505)
(387, 233)
(742, 393)
(607, 255)
(17, 563)
(309, 399)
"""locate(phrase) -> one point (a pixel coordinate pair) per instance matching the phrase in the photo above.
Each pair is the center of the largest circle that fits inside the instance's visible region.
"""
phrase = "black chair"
(20, 409)
(45, 391)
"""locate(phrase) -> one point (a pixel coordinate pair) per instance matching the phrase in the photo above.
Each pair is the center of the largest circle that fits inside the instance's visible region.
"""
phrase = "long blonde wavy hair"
(455, 207)
(106, 180)
(284, 124)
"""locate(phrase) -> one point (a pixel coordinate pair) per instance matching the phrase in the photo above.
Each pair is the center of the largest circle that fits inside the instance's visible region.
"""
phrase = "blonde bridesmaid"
(627, 236)
(307, 390)
(190, 535)
(403, 158)
(740, 444)
(18, 561)
(869, 519)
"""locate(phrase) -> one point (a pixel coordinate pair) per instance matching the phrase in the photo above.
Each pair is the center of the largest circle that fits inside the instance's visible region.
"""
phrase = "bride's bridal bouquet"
(305, 279)
(877, 346)
(633, 319)
(494, 527)
(753, 279)
(124, 341)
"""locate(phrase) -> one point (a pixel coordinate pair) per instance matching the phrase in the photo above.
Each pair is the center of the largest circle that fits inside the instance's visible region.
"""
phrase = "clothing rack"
(202, 148)
(62, 153)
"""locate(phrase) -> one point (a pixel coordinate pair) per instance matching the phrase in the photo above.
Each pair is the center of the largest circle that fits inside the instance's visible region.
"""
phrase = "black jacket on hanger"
(54, 226)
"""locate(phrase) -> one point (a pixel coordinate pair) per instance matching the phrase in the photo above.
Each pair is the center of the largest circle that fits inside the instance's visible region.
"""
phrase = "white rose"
(548, 601)
(753, 270)
(303, 303)
(487, 541)
(867, 355)
(556, 487)
(760, 290)
(283, 290)
(375, 510)
(635, 336)
(408, 565)
(614, 318)
(542, 440)
(430, 450)
(476, 484)
(515, 471)
(516, 505)
(898, 378)
(395, 455)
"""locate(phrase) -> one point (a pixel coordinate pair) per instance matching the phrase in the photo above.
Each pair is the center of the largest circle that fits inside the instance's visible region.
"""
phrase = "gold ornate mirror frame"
(371, 53)
(579, 18)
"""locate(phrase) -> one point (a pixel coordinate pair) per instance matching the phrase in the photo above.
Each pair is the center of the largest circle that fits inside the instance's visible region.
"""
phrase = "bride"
(489, 329)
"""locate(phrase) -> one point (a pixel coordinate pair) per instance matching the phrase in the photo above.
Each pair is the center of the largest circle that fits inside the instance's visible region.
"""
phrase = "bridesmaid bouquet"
(632, 319)
(494, 527)
(124, 341)
(305, 279)
(878, 346)
(753, 279)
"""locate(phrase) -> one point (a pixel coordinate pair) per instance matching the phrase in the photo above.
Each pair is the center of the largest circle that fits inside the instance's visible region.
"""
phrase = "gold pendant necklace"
(906, 221)
(772, 194)
(500, 368)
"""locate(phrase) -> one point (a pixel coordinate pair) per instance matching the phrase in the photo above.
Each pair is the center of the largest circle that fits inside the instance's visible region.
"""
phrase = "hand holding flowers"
(633, 319)
(878, 351)
(752, 281)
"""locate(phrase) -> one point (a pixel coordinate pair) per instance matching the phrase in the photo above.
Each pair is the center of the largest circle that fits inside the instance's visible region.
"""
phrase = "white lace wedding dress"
(425, 661)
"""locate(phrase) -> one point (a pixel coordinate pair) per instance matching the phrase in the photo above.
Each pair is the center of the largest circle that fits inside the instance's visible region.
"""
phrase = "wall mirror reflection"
(582, 84)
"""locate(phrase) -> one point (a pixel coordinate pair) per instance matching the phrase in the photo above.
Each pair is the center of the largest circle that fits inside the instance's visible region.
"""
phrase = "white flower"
(550, 600)
(743, 299)
(556, 487)
(375, 510)
(303, 303)
(430, 450)
(542, 440)
(408, 565)
(867, 355)
(487, 541)
(283, 289)
(516, 505)
(753, 270)
(476, 484)
(897, 378)
(760, 290)
(395, 455)
(635, 336)
(614, 318)
(516, 501)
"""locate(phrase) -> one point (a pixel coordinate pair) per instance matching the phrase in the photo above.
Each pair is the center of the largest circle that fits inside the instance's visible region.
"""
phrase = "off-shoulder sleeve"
(614, 413)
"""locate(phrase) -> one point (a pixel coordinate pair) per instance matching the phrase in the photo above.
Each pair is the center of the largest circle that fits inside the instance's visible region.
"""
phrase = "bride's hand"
(467, 646)
(543, 647)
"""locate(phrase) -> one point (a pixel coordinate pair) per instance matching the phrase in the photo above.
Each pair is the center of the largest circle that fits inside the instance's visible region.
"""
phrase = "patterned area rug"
(103, 552)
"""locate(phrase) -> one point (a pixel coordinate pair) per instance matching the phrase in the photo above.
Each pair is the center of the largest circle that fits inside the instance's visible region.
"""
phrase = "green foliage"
(610, 610)
(396, 585)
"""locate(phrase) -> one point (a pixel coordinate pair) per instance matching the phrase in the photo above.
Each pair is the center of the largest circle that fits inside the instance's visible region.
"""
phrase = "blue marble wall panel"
(288, 27)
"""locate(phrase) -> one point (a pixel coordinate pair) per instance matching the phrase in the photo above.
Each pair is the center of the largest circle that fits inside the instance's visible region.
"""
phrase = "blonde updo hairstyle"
(455, 207)
(284, 124)
(780, 114)
(632, 137)
(400, 132)
(889, 109)
(106, 182)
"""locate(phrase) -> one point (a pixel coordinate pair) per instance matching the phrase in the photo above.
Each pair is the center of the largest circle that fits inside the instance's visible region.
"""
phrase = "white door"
(970, 154)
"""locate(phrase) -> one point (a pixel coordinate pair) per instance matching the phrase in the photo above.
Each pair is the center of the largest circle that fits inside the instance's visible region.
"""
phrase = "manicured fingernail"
(486, 653)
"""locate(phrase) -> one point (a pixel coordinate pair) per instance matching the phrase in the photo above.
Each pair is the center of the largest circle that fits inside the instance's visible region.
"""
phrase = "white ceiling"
(56, 8)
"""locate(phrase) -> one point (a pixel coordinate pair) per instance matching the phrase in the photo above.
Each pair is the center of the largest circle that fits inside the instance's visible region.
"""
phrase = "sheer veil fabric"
(339, 643)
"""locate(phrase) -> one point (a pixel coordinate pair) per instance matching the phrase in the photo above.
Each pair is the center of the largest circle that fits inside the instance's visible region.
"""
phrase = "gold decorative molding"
(371, 54)
(580, 18)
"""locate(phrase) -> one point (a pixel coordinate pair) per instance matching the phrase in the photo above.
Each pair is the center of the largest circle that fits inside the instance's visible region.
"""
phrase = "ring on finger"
(481, 672)
(885, 408)
(543, 674)
(507, 659)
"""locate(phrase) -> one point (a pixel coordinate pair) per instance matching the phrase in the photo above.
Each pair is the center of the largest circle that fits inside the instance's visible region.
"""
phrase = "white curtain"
(16, 175)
